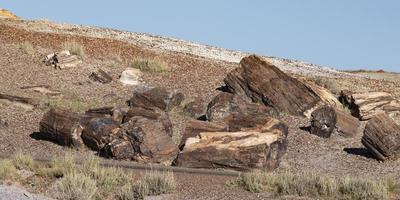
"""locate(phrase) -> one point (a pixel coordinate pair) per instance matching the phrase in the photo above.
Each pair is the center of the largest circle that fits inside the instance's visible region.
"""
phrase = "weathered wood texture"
(63, 127)
(326, 119)
(382, 137)
(366, 105)
(326, 96)
(242, 150)
(100, 76)
(259, 81)
(158, 97)
(24, 102)
(195, 127)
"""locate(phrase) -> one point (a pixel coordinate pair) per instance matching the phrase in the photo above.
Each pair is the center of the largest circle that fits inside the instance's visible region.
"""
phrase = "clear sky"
(345, 34)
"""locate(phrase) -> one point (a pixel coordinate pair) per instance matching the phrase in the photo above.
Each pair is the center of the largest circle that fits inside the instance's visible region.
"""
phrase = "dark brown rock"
(99, 132)
(260, 148)
(257, 80)
(382, 137)
(158, 97)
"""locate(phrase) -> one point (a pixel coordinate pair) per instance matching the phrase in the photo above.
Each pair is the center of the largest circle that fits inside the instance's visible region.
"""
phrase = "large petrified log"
(382, 137)
(326, 119)
(366, 105)
(162, 98)
(325, 95)
(195, 127)
(99, 132)
(259, 81)
(63, 127)
(243, 150)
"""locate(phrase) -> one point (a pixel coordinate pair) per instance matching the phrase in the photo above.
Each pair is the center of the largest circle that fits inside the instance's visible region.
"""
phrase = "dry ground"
(197, 77)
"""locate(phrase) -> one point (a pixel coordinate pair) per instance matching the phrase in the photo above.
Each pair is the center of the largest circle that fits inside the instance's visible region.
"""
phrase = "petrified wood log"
(243, 150)
(63, 127)
(195, 127)
(259, 81)
(326, 96)
(150, 140)
(366, 105)
(382, 137)
(116, 113)
(326, 119)
(158, 97)
(100, 76)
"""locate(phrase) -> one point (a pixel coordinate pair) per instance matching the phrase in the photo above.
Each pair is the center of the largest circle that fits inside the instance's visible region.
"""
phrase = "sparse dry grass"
(150, 65)
(74, 48)
(7, 170)
(152, 183)
(27, 48)
(76, 186)
(330, 84)
(23, 161)
(317, 185)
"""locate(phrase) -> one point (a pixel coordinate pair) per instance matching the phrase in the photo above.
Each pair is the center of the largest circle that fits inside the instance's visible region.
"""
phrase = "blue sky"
(340, 33)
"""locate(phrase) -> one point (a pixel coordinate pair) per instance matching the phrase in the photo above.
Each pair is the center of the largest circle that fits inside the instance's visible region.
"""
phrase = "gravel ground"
(197, 77)
(15, 193)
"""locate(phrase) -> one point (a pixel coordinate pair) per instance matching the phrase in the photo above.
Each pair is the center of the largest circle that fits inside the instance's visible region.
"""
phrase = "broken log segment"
(100, 76)
(257, 80)
(98, 132)
(43, 89)
(326, 119)
(366, 105)
(195, 127)
(382, 137)
(62, 127)
(243, 150)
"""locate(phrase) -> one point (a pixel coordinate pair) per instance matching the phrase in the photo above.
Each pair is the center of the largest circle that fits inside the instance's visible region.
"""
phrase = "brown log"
(259, 81)
(116, 113)
(63, 127)
(382, 137)
(326, 119)
(100, 76)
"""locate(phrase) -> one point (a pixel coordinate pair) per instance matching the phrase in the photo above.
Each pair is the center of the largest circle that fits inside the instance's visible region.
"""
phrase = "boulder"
(243, 150)
(130, 76)
(236, 113)
(382, 137)
(326, 119)
(161, 98)
(257, 80)
(365, 105)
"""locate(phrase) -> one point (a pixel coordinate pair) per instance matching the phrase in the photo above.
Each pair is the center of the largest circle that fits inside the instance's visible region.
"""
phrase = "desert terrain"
(196, 71)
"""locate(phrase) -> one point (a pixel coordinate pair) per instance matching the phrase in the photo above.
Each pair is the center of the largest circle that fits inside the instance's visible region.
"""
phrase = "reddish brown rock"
(243, 150)
(155, 97)
(257, 80)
